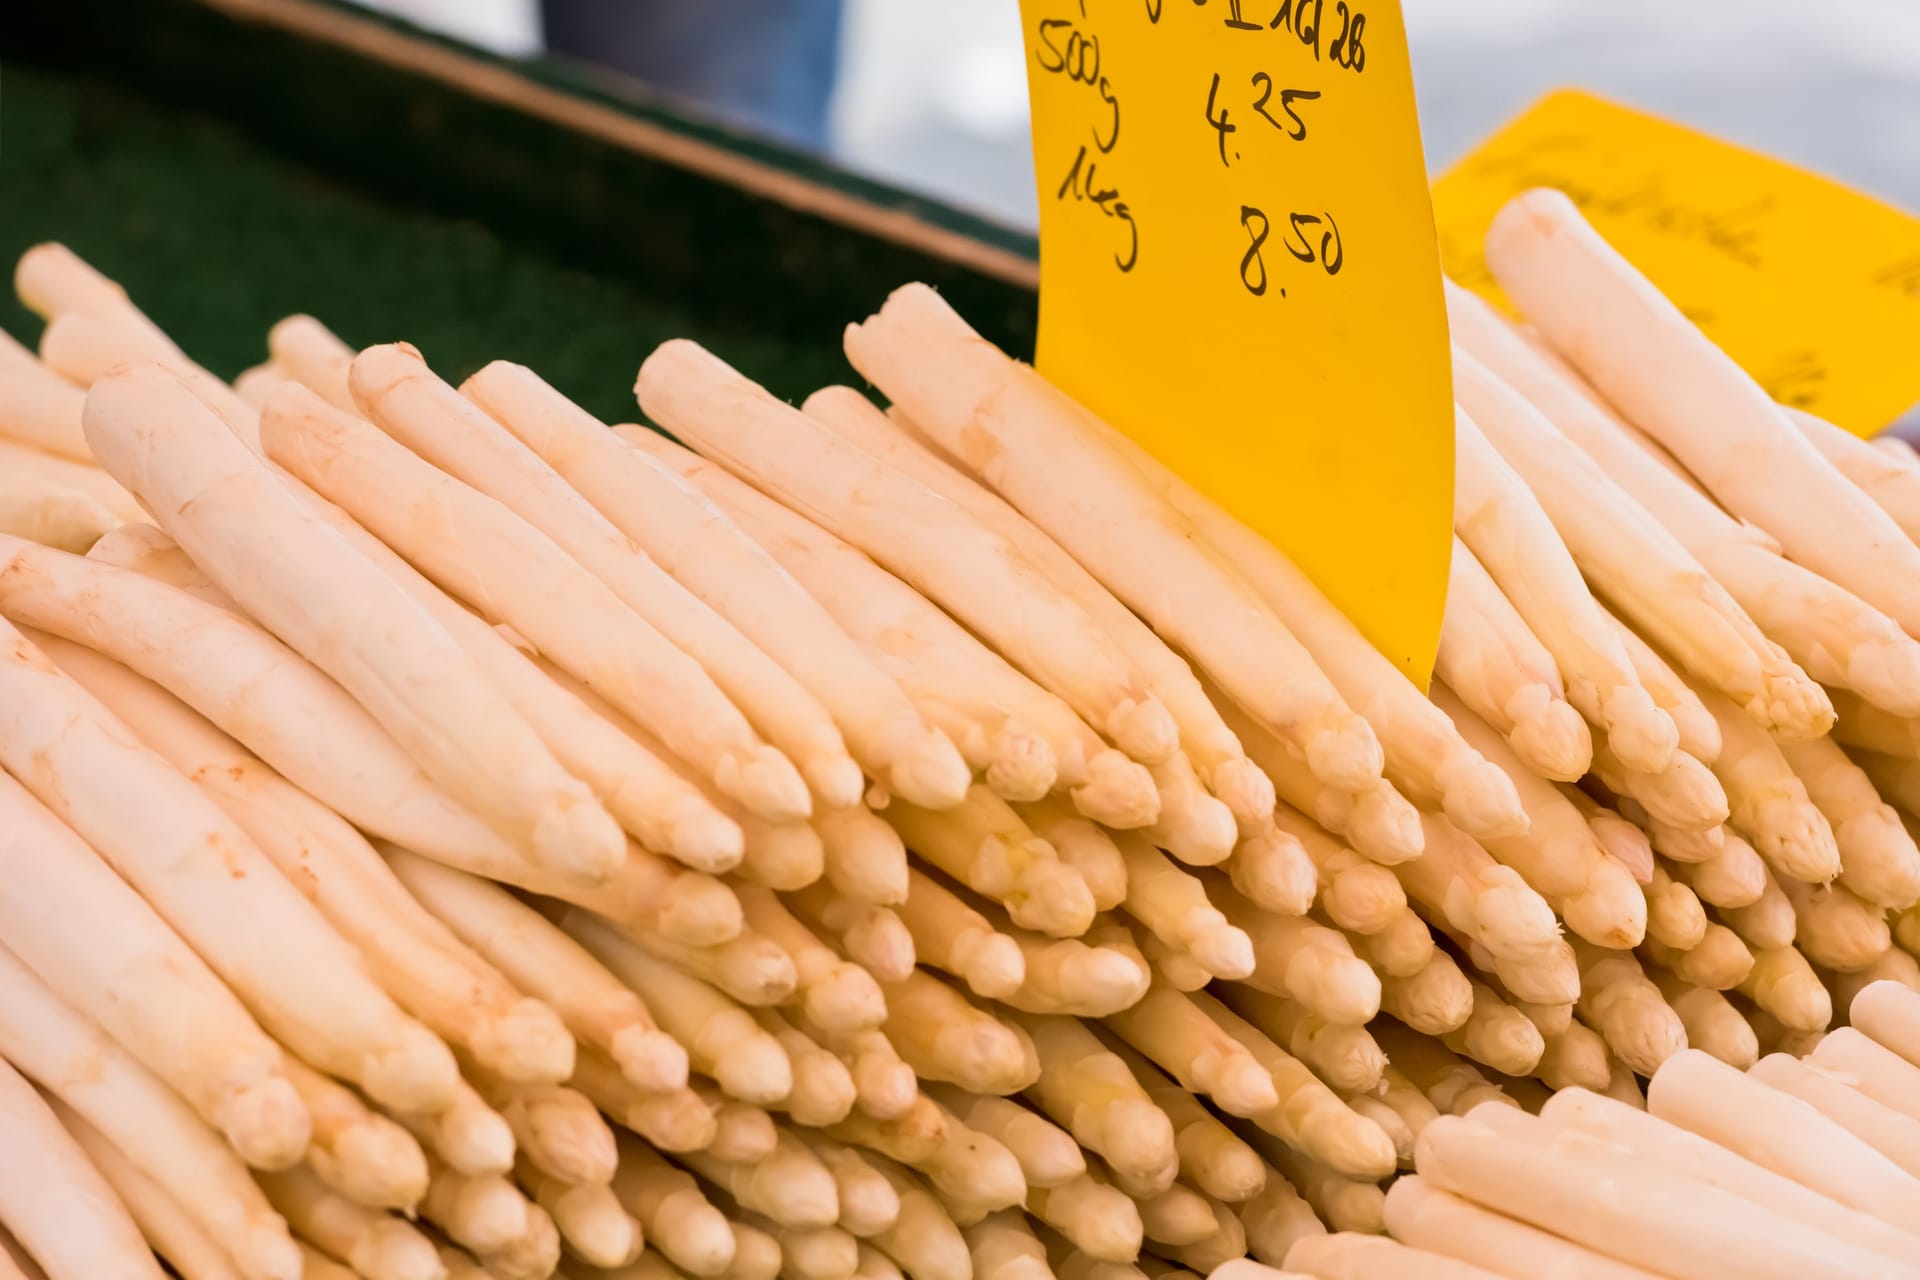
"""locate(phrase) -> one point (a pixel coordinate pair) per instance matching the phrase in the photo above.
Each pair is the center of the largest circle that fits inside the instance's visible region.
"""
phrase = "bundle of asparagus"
(939, 841)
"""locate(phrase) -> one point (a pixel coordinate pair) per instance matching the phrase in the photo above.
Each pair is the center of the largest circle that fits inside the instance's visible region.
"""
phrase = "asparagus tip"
(266, 1123)
(526, 1043)
(931, 773)
(1020, 765)
(651, 1060)
(1145, 730)
(1549, 735)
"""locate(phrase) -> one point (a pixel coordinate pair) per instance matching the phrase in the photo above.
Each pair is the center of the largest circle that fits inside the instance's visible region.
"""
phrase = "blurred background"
(931, 94)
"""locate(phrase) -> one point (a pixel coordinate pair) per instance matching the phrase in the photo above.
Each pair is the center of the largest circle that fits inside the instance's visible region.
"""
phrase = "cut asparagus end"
(1245, 790)
(1118, 792)
(1642, 735)
(1549, 735)
(1021, 765)
(527, 1043)
(266, 1123)
(931, 773)
(1145, 730)
(652, 1061)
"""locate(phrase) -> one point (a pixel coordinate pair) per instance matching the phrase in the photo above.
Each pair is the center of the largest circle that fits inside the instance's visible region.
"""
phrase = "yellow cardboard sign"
(1813, 287)
(1238, 270)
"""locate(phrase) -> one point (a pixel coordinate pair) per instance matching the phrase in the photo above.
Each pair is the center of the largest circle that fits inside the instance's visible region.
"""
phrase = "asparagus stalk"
(1665, 375)
(360, 1153)
(1090, 1091)
(1204, 736)
(1500, 669)
(1142, 543)
(375, 1245)
(674, 1217)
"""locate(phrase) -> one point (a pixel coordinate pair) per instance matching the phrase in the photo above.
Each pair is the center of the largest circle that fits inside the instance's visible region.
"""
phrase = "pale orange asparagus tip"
(1245, 789)
(1384, 826)
(527, 1043)
(1272, 869)
(266, 1123)
(699, 911)
(651, 1060)
(1118, 792)
(1549, 734)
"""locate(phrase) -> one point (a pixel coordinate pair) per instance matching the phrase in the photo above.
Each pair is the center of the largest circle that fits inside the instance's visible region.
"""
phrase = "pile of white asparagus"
(443, 836)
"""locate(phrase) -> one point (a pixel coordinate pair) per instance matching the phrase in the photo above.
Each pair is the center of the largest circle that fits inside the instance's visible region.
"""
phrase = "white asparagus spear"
(211, 882)
(1769, 803)
(1878, 859)
(1781, 1133)
(1002, 1244)
(721, 1039)
(1434, 999)
(1425, 754)
(365, 1156)
(1421, 1214)
(56, 1203)
(53, 280)
(1088, 1089)
(1352, 1256)
(873, 937)
(1355, 893)
(1576, 1186)
(542, 960)
(983, 844)
(647, 794)
(248, 683)
(1345, 1056)
(40, 409)
(861, 856)
(970, 569)
(426, 969)
(30, 466)
(1675, 917)
(1456, 881)
(1623, 1005)
(952, 937)
(1869, 1066)
(480, 550)
(1020, 435)
(1893, 1134)
(1732, 877)
(481, 1212)
(399, 393)
(1274, 1220)
(1379, 822)
(592, 1224)
(411, 677)
(1640, 566)
(84, 347)
(1699, 731)
(1497, 516)
(1836, 930)
(1173, 905)
(179, 1239)
(1497, 1035)
(1686, 795)
(1047, 1154)
(1499, 668)
(1658, 1145)
(134, 976)
(1785, 985)
(1892, 483)
(1204, 736)
(1344, 1204)
(1312, 964)
(1558, 854)
(975, 694)
(1671, 381)
(675, 1218)
(944, 1036)
(1890, 1014)
(309, 353)
(135, 1113)
(1839, 639)
(835, 994)
(1713, 1024)
(50, 513)
(707, 553)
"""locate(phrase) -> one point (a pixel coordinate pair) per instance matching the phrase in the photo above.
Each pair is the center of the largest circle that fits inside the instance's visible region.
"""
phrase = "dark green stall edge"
(231, 171)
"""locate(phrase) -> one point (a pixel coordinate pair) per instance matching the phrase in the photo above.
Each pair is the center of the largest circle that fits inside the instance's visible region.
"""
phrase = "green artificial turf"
(216, 238)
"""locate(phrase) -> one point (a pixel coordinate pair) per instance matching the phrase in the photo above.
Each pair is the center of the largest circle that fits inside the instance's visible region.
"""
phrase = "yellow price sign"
(1238, 270)
(1813, 287)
